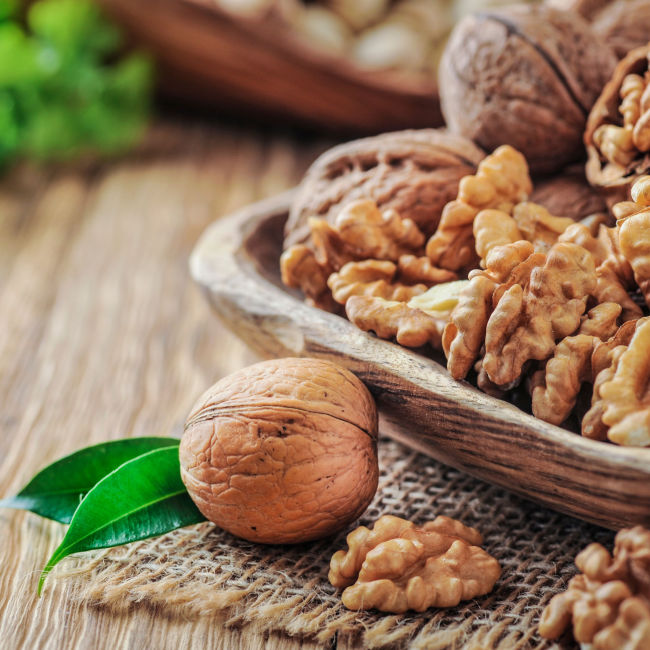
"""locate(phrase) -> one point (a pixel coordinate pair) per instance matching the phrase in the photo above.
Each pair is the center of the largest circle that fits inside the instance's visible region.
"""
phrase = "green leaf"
(73, 27)
(55, 492)
(7, 9)
(142, 498)
(68, 89)
(19, 56)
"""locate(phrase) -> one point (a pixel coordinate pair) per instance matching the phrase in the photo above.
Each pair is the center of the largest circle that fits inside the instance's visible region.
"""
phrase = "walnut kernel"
(396, 566)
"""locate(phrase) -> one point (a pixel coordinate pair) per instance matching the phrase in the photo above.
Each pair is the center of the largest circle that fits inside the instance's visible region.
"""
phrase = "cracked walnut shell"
(617, 134)
(283, 451)
(397, 566)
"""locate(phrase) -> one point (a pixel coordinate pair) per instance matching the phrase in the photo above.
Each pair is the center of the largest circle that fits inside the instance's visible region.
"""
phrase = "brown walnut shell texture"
(282, 451)
(615, 182)
(586, 8)
(568, 194)
(525, 76)
(415, 172)
(624, 24)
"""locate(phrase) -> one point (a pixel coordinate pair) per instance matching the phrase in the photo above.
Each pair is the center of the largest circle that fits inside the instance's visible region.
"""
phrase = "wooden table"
(103, 335)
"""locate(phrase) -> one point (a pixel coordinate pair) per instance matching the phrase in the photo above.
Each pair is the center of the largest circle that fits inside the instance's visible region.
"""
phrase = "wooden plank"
(103, 335)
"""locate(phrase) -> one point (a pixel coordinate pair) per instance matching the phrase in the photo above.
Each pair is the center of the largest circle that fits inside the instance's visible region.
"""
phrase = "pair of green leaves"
(110, 494)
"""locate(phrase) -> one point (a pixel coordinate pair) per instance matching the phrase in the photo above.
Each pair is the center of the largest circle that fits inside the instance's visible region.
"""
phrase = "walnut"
(360, 231)
(371, 278)
(630, 630)
(526, 76)
(555, 389)
(418, 322)
(283, 451)
(538, 225)
(388, 319)
(634, 235)
(591, 606)
(614, 276)
(586, 8)
(601, 321)
(569, 194)
(623, 24)
(626, 403)
(396, 567)
(301, 270)
(528, 320)
(617, 131)
(529, 221)
(492, 229)
(500, 182)
(412, 270)
(440, 300)
(359, 14)
(413, 172)
(370, 233)
(464, 335)
(604, 363)
(607, 604)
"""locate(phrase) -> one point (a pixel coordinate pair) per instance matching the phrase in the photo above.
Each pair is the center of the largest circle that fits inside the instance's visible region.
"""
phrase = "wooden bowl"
(207, 56)
(237, 264)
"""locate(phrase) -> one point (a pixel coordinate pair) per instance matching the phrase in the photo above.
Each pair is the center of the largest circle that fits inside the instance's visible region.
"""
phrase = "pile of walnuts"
(421, 238)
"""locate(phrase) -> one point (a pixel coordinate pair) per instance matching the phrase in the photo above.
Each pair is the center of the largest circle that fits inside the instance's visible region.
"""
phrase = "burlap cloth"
(203, 571)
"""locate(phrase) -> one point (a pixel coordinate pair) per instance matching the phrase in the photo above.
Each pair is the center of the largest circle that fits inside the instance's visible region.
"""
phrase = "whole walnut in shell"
(413, 172)
(525, 76)
(283, 451)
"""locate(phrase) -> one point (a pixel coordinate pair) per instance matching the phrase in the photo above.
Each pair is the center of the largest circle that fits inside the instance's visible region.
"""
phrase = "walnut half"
(608, 604)
(396, 567)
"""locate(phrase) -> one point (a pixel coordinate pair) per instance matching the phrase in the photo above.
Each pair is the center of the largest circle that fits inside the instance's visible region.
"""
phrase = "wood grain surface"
(103, 335)
(237, 262)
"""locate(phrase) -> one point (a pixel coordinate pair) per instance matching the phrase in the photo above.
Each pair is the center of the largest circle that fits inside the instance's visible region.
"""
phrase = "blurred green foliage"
(63, 90)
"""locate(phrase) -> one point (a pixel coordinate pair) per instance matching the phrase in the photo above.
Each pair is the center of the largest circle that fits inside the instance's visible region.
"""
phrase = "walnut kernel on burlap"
(202, 571)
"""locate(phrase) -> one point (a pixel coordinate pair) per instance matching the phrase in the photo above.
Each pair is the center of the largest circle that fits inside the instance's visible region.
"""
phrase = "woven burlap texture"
(203, 571)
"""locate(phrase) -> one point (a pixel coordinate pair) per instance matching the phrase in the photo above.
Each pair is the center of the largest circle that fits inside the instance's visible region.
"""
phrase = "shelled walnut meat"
(397, 566)
(608, 603)
(283, 451)
(617, 135)
(513, 294)
(525, 76)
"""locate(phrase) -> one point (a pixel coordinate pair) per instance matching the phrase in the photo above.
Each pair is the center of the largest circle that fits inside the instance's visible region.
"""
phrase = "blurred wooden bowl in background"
(257, 65)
